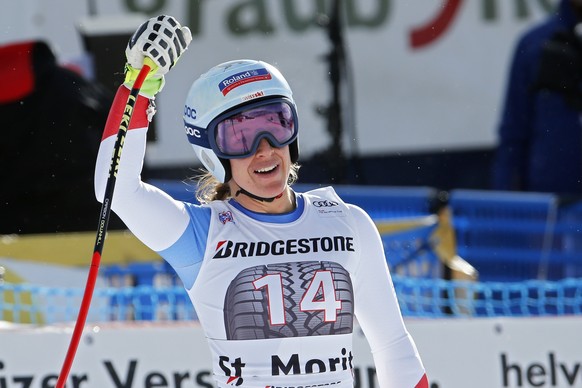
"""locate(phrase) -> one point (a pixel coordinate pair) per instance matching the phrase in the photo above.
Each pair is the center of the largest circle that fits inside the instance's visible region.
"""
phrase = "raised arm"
(152, 215)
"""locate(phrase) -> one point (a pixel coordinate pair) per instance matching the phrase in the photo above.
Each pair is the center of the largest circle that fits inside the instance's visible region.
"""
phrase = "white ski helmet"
(228, 87)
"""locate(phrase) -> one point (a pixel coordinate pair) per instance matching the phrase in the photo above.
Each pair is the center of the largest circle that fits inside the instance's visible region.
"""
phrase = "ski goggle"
(237, 133)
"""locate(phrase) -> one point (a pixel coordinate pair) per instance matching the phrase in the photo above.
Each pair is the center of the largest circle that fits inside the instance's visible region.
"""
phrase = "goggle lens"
(239, 134)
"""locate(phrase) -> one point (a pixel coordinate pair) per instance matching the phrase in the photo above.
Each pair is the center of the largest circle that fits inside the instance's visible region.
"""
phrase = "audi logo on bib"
(325, 203)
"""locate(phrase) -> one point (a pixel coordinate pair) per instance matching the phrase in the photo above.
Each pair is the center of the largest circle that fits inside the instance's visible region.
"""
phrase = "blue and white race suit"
(276, 294)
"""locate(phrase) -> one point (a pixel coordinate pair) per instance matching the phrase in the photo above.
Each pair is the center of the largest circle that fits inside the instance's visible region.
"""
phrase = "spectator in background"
(540, 134)
(52, 120)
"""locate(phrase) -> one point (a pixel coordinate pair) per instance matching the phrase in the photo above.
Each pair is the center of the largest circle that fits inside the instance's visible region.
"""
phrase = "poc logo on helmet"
(189, 112)
(325, 203)
(192, 131)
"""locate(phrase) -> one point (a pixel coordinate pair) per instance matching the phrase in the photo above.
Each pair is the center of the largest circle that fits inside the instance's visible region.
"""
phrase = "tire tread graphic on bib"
(246, 309)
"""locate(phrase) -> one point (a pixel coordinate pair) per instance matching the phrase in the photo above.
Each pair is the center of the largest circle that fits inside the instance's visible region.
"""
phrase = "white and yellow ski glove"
(161, 39)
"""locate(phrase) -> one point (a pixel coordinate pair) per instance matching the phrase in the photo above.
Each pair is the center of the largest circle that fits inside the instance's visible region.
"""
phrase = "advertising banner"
(457, 353)
(419, 76)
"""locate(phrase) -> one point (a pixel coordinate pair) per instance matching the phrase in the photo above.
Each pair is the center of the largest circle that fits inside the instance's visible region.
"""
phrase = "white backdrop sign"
(425, 76)
(457, 353)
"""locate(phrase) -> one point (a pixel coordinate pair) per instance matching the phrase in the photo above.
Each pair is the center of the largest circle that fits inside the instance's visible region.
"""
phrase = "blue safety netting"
(418, 297)
(526, 249)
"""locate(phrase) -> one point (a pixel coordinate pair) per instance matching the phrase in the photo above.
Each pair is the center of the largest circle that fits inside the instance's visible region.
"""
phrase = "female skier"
(277, 277)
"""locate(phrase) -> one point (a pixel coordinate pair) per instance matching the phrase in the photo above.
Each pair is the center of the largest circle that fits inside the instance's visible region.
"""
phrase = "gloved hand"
(163, 40)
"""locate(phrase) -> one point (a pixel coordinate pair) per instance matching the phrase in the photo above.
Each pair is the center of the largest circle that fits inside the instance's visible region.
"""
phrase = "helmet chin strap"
(253, 196)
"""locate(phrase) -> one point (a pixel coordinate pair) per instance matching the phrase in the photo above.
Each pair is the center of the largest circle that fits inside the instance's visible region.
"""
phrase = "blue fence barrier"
(433, 298)
(505, 236)
(425, 298)
(510, 236)
(527, 248)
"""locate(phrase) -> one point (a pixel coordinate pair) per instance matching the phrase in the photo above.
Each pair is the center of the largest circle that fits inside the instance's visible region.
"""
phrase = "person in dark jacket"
(52, 119)
(540, 133)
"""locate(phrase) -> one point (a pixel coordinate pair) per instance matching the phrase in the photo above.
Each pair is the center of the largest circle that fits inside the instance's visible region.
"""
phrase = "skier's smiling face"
(265, 173)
